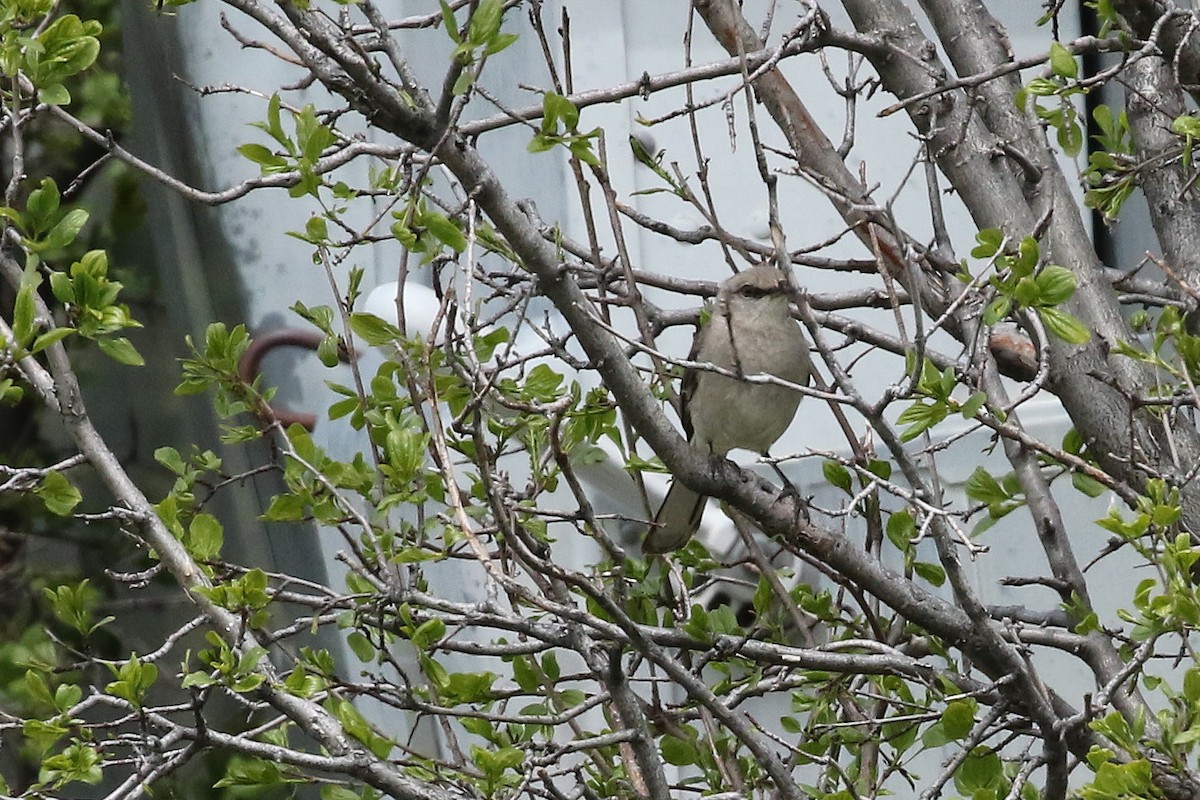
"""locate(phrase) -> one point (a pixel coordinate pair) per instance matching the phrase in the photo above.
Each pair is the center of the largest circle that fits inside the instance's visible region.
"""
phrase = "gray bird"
(751, 332)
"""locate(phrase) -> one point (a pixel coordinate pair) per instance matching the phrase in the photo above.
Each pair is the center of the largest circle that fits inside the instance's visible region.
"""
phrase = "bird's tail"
(677, 520)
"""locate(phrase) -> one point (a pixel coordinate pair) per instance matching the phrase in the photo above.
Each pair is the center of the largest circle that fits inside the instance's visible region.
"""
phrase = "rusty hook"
(251, 362)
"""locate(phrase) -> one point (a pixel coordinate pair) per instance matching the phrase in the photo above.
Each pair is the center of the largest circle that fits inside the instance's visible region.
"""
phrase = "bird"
(751, 332)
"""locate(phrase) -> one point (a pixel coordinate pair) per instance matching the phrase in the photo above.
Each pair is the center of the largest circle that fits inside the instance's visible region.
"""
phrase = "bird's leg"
(787, 484)
(718, 464)
(790, 490)
(717, 461)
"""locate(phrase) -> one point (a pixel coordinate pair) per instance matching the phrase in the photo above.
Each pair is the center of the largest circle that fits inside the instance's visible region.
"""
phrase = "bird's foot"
(718, 465)
(800, 503)
(788, 486)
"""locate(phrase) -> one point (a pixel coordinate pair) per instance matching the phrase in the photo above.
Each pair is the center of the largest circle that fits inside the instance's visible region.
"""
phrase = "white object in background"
(420, 306)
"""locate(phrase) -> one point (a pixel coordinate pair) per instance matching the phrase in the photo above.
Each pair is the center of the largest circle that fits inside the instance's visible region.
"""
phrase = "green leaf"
(255, 772)
(416, 555)
(449, 22)
(1070, 137)
(555, 109)
(65, 231)
(343, 407)
(485, 22)
(980, 772)
(49, 338)
(988, 243)
(23, 314)
(358, 726)
(42, 205)
(428, 634)
(361, 646)
(1042, 87)
(550, 666)
(1028, 253)
(332, 791)
(205, 537)
(464, 81)
(540, 143)
(62, 287)
(880, 469)
(404, 447)
(78, 762)
(316, 229)
(1055, 285)
(1026, 292)
(1191, 685)
(1064, 325)
(274, 127)
(169, 457)
(1062, 61)
(487, 343)
(446, 231)
(1088, 623)
(262, 156)
(678, 752)
(933, 573)
(997, 310)
(285, 508)
(198, 680)
(920, 417)
(134, 679)
(1087, 484)
(901, 529)
(10, 392)
(373, 330)
(581, 148)
(543, 384)
(54, 95)
(836, 475)
(406, 236)
(121, 350)
(958, 718)
(500, 42)
(653, 161)
(974, 403)
(1187, 125)
(525, 675)
(74, 605)
(35, 683)
(984, 488)
(311, 135)
(58, 494)
(69, 46)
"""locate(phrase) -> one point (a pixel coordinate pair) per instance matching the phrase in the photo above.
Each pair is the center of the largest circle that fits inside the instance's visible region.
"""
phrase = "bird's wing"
(687, 387)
